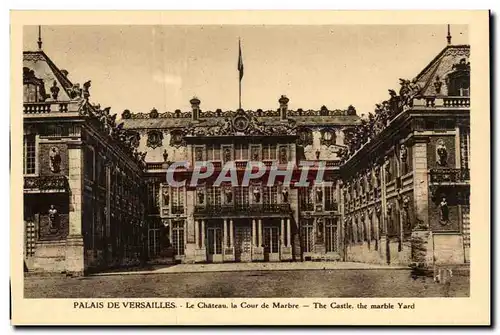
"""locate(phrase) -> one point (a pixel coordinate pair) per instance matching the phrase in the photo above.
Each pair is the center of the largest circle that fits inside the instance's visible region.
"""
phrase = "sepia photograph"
(165, 161)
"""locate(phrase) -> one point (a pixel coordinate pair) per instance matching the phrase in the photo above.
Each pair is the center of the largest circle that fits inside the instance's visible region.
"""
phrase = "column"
(196, 233)
(282, 232)
(202, 234)
(288, 234)
(260, 243)
(225, 234)
(231, 232)
(74, 241)
(254, 234)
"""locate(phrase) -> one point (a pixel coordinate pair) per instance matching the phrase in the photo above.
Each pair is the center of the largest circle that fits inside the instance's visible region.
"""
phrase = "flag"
(240, 62)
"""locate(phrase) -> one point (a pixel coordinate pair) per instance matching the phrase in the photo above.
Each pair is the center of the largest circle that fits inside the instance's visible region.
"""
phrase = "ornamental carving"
(328, 137)
(242, 123)
(305, 137)
(177, 138)
(155, 139)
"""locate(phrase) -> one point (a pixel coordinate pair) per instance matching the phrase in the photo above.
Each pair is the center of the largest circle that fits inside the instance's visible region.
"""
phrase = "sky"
(144, 67)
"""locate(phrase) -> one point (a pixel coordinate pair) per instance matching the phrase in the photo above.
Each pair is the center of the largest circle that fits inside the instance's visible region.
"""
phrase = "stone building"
(255, 222)
(83, 179)
(405, 178)
(394, 186)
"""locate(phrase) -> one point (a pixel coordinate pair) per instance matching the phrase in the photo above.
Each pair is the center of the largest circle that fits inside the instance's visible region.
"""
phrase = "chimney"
(195, 107)
(283, 107)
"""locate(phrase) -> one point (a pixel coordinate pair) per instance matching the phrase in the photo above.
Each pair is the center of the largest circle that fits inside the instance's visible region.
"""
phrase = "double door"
(271, 243)
(214, 244)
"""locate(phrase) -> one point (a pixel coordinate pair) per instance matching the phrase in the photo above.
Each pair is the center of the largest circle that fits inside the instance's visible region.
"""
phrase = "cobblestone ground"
(304, 283)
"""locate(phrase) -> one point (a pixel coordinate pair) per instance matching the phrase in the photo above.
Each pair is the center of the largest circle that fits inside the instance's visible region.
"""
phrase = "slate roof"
(440, 66)
(46, 70)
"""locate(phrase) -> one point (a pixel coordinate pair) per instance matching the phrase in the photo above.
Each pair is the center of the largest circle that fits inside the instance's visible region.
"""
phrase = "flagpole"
(239, 73)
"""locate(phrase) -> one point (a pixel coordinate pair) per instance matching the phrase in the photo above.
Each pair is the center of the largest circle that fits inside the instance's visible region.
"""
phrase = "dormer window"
(459, 79)
(33, 87)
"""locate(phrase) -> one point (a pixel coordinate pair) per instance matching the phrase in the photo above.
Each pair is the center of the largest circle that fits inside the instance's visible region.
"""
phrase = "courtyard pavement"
(264, 283)
(238, 267)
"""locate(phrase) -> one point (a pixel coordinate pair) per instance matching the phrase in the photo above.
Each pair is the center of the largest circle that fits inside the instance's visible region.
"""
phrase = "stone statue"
(319, 195)
(229, 195)
(403, 153)
(53, 216)
(54, 90)
(256, 194)
(284, 193)
(444, 211)
(85, 90)
(283, 155)
(441, 153)
(201, 196)
(166, 197)
(318, 153)
(165, 155)
(227, 155)
(54, 160)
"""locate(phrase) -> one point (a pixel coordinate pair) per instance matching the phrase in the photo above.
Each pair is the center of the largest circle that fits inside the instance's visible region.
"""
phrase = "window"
(331, 235)
(213, 196)
(177, 200)
(241, 151)
(213, 152)
(214, 235)
(305, 196)
(270, 195)
(178, 237)
(271, 239)
(269, 151)
(29, 154)
(330, 198)
(153, 194)
(241, 195)
(307, 236)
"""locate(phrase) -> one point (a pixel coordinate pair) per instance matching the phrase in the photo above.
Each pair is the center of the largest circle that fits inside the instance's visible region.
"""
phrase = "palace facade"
(405, 178)
(394, 187)
(84, 188)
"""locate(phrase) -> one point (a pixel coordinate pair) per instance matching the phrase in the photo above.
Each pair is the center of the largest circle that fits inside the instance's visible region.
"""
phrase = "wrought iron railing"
(174, 209)
(449, 175)
(45, 183)
(227, 209)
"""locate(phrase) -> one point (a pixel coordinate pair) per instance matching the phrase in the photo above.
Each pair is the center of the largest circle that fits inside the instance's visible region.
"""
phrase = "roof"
(440, 67)
(44, 69)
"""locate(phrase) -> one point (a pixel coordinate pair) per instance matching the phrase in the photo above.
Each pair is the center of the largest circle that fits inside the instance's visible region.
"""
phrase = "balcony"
(447, 102)
(44, 107)
(307, 206)
(449, 176)
(177, 209)
(238, 209)
(45, 184)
